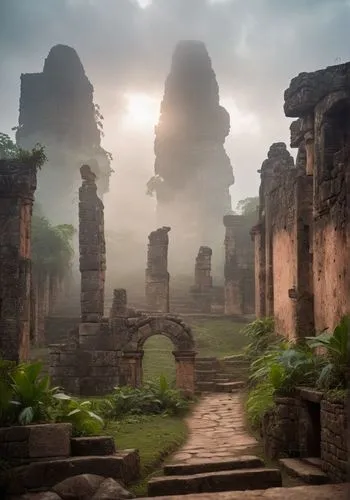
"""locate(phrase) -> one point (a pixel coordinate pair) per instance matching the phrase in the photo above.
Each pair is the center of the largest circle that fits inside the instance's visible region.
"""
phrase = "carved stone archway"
(181, 337)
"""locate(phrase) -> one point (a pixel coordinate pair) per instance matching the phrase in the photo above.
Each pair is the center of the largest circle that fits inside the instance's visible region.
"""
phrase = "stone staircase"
(307, 470)
(208, 476)
(226, 375)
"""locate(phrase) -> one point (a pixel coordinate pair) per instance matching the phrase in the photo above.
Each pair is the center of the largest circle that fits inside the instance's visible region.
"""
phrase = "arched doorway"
(184, 353)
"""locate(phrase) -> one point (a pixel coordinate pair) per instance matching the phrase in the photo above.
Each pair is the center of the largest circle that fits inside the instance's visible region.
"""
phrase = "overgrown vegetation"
(36, 157)
(52, 249)
(27, 397)
(151, 399)
(282, 366)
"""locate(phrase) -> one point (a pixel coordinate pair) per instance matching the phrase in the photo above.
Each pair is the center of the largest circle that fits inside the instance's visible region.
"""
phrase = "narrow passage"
(217, 430)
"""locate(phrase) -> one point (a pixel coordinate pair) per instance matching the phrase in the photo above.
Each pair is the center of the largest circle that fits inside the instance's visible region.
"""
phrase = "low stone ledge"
(41, 441)
(95, 446)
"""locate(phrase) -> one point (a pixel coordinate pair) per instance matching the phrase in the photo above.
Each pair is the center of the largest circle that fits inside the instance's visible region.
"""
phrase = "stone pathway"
(217, 430)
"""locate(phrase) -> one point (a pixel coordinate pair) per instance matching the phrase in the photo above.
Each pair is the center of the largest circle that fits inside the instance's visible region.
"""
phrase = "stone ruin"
(17, 187)
(192, 172)
(57, 111)
(304, 210)
(102, 353)
(202, 291)
(239, 267)
(157, 276)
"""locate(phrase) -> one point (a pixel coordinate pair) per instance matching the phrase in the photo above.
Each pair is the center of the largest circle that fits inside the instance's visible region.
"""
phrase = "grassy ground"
(214, 337)
(155, 437)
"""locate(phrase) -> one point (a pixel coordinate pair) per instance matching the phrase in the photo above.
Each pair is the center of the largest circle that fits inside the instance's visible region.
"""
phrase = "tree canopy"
(10, 151)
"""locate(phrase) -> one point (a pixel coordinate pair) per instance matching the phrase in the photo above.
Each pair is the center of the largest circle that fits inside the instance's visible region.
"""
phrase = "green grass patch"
(154, 436)
(218, 337)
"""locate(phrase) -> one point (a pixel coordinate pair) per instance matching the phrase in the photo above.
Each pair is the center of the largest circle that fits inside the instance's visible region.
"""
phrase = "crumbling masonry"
(304, 210)
(157, 276)
(202, 291)
(17, 187)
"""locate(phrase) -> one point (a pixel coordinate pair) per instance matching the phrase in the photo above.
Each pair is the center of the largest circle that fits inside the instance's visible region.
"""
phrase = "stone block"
(95, 446)
(50, 440)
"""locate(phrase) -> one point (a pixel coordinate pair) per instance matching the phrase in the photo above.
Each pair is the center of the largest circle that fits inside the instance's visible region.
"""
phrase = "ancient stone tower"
(192, 170)
(57, 110)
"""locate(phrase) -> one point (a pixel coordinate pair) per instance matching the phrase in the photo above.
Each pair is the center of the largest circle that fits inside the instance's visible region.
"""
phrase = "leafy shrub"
(260, 401)
(335, 353)
(85, 422)
(261, 335)
(151, 399)
(26, 397)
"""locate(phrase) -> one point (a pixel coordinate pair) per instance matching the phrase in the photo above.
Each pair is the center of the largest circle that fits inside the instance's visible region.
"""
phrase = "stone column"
(131, 368)
(17, 187)
(185, 371)
(92, 248)
(157, 276)
(233, 292)
(203, 281)
(258, 235)
(119, 304)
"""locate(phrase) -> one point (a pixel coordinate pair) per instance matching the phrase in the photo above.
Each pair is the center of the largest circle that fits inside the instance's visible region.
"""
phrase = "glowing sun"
(142, 111)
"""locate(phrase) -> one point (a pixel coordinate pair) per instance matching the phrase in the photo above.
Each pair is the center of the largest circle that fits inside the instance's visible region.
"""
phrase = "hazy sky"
(256, 47)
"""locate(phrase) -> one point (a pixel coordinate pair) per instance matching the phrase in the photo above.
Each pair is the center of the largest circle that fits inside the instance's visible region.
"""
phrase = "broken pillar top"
(307, 89)
(17, 179)
(232, 220)
(64, 62)
(160, 235)
(278, 159)
(87, 174)
(205, 251)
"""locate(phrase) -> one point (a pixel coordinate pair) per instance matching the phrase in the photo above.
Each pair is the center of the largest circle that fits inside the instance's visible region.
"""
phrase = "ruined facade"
(239, 266)
(302, 250)
(157, 276)
(17, 187)
(202, 291)
(57, 111)
(192, 170)
(101, 353)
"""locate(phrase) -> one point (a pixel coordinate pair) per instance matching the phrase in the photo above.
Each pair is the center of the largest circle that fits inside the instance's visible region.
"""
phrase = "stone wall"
(17, 187)
(321, 101)
(334, 443)
(311, 424)
(157, 276)
(239, 266)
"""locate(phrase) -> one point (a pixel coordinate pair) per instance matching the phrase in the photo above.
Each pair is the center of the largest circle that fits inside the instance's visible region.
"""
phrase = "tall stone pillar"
(92, 249)
(157, 276)
(203, 281)
(233, 289)
(185, 371)
(17, 187)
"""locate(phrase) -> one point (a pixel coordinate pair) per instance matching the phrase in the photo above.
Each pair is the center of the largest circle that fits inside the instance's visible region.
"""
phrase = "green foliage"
(260, 334)
(10, 151)
(259, 402)
(151, 399)
(248, 205)
(336, 356)
(26, 397)
(52, 250)
(85, 422)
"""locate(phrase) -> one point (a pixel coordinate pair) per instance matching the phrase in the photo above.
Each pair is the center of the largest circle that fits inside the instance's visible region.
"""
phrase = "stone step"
(205, 375)
(231, 480)
(230, 386)
(205, 386)
(317, 462)
(243, 462)
(323, 492)
(221, 380)
(300, 469)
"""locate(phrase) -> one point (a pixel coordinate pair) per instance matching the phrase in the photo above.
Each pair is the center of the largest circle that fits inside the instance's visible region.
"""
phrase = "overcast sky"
(256, 47)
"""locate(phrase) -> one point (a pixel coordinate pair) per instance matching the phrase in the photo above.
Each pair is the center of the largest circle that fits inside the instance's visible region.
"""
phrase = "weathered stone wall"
(280, 429)
(322, 101)
(239, 267)
(157, 276)
(202, 291)
(17, 187)
(334, 443)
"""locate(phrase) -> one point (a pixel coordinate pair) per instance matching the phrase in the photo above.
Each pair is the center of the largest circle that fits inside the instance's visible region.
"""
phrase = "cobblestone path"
(217, 430)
